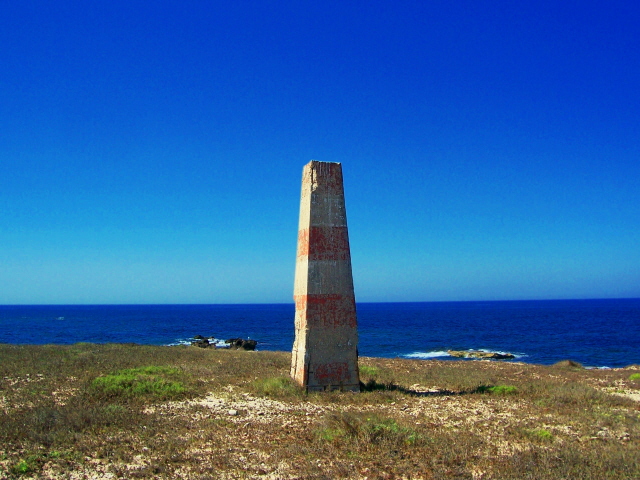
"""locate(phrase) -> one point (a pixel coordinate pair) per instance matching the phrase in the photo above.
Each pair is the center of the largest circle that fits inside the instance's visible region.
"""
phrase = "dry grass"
(130, 411)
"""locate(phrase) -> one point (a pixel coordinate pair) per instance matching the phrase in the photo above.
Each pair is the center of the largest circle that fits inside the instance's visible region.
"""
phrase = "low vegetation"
(132, 411)
(497, 389)
(540, 434)
(277, 387)
(150, 381)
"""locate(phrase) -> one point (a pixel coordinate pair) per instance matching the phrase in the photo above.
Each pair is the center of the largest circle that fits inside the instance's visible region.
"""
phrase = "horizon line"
(293, 303)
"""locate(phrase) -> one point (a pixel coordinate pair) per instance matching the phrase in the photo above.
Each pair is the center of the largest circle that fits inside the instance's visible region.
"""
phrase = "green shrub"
(634, 376)
(25, 466)
(540, 434)
(368, 371)
(140, 382)
(32, 464)
(331, 434)
(276, 387)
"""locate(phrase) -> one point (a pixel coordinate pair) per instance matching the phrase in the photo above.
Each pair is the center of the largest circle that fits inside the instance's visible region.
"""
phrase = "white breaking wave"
(424, 355)
(218, 343)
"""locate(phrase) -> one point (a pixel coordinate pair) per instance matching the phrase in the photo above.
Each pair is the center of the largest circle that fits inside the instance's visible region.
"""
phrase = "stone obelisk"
(325, 350)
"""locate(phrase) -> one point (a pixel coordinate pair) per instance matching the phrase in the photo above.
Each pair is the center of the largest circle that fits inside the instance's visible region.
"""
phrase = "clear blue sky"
(151, 152)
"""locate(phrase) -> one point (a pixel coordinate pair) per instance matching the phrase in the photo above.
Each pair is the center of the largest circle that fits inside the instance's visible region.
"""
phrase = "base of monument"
(333, 388)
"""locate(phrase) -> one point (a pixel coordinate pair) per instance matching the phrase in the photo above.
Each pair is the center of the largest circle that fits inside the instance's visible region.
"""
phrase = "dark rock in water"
(249, 344)
(240, 344)
(478, 354)
(234, 343)
(201, 342)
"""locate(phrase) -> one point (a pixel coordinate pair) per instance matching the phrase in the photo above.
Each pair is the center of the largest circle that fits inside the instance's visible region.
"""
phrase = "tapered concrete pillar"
(325, 350)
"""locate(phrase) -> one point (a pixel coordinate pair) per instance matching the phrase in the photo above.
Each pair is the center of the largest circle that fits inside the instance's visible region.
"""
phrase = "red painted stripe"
(327, 311)
(324, 243)
(333, 373)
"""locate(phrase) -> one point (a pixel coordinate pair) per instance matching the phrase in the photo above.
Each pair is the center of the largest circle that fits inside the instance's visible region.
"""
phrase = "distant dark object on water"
(240, 344)
(232, 343)
(202, 342)
(479, 354)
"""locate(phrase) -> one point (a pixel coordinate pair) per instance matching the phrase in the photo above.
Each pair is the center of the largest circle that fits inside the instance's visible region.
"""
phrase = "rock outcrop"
(240, 344)
(200, 341)
(480, 354)
(232, 343)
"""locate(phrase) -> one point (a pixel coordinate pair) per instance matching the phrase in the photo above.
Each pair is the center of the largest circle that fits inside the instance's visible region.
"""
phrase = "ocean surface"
(596, 333)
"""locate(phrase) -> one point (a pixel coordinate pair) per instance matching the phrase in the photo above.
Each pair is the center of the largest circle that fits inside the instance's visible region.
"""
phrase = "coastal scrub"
(134, 411)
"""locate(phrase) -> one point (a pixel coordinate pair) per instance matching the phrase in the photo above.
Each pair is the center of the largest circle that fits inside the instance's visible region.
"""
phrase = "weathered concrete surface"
(325, 350)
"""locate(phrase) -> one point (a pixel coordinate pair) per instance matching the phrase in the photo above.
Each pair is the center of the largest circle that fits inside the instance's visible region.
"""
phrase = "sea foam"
(425, 355)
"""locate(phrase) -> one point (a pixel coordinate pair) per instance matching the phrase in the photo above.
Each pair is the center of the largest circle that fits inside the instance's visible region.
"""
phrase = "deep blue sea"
(596, 333)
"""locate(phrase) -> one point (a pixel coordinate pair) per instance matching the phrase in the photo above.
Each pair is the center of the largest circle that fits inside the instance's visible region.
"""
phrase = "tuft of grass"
(388, 429)
(331, 434)
(24, 466)
(368, 371)
(33, 463)
(540, 434)
(572, 395)
(634, 376)
(359, 429)
(497, 389)
(141, 382)
(276, 387)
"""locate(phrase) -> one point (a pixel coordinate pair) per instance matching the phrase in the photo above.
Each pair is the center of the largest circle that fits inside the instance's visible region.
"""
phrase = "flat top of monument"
(320, 161)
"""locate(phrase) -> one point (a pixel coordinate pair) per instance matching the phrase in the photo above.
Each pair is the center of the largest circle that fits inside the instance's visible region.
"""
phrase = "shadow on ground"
(372, 386)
